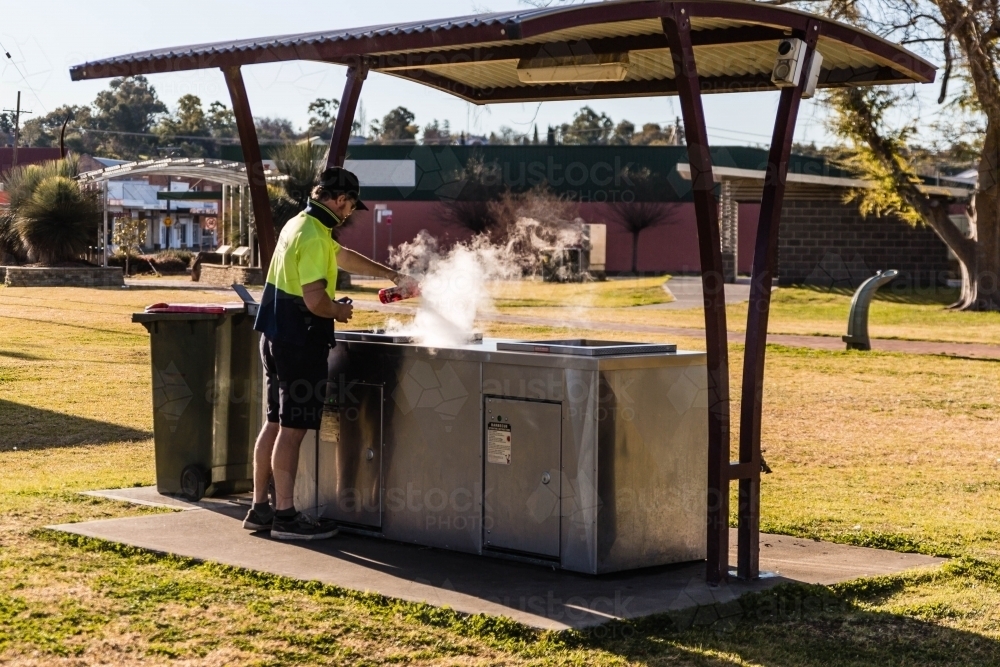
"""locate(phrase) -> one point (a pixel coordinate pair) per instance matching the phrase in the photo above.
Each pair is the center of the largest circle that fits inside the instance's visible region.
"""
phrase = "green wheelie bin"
(207, 396)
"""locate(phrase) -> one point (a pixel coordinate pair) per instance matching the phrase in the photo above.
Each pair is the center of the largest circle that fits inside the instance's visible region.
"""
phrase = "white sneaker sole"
(256, 526)
(281, 535)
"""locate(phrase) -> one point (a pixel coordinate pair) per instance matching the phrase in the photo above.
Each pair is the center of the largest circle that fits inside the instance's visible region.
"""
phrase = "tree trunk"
(980, 288)
(981, 259)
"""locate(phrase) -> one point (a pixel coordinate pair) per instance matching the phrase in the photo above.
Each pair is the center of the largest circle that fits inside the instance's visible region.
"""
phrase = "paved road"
(687, 293)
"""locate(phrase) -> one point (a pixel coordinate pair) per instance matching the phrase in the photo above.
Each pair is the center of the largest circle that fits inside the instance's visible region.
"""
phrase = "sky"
(46, 37)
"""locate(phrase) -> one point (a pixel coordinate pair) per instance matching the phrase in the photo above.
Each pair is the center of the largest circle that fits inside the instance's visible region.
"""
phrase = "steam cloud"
(453, 286)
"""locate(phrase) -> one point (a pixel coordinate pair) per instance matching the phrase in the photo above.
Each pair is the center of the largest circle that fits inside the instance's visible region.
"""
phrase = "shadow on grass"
(24, 356)
(789, 626)
(798, 625)
(28, 427)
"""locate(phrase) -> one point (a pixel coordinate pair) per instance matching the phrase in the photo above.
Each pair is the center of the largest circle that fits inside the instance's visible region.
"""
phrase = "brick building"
(822, 239)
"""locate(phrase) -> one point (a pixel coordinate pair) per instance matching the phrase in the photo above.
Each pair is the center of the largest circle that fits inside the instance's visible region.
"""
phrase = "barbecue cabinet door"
(522, 476)
(349, 479)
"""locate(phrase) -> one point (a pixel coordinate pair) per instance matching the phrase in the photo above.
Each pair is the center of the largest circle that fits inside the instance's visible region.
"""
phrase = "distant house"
(191, 222)
(26, 156)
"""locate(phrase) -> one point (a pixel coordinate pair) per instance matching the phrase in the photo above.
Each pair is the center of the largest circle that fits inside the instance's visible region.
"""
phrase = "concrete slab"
(532, 594)
(148, 495)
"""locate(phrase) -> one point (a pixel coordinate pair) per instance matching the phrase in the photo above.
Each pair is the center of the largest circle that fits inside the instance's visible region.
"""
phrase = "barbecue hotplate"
(372, 336)
(586, 347)
(380, 336)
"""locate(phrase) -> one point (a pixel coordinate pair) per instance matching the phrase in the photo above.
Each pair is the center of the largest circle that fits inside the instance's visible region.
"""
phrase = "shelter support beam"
(764, 262)
(356, 75)
(254, 163)
(677, 28)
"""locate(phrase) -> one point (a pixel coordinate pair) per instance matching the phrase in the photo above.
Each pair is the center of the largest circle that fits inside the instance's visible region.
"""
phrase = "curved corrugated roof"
(475, 57)
(216, 171)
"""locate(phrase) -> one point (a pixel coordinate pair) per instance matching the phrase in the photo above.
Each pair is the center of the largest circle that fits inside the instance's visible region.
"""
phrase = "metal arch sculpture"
(684, 49)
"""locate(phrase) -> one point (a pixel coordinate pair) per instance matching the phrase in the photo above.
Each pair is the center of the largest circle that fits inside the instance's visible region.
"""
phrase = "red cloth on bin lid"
(211, 308)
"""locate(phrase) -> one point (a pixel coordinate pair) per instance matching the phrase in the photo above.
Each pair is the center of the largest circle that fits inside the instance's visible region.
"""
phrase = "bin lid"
(216, 308)
(187, 311)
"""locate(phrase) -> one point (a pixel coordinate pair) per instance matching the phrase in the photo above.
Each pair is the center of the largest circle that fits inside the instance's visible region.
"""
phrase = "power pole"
(17, 126)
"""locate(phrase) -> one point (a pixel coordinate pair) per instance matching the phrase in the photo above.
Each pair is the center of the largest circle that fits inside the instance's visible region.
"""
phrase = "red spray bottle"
(406, 290)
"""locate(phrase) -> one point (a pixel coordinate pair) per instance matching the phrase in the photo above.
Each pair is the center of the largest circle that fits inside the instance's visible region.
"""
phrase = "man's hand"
(343, 312)
(319, 303)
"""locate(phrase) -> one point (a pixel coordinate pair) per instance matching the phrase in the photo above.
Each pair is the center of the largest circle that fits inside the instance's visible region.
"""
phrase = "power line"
(23, 77)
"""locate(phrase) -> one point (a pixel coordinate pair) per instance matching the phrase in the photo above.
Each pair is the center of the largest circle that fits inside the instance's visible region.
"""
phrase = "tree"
(507, 136)
(623, 133)
(322, 117)
(275, 130)
(653, 134)
(45, 130)
(437, 134)
(588, 127)
(396, 127)
(187, 122)
(7, 127)
(125, 116)
(639, 208)
(221, 120)
(965, 35)
(540, 231)
(129, 236)
(482, 184)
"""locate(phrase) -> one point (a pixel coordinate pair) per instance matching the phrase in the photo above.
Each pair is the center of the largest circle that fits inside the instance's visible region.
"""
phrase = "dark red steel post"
(356, 75)
(764, 262)
(263, 219)
(677, 27)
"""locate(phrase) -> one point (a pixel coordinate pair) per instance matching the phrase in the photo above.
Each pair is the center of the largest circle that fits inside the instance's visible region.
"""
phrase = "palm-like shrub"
(299, 164)
(50, 218)
(57, 221)
(11, 248)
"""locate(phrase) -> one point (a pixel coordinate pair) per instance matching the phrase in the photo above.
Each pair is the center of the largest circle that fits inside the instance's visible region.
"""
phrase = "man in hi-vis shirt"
(296, 319)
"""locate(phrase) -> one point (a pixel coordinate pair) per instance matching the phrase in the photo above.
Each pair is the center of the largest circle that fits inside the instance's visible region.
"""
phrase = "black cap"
(338, 179)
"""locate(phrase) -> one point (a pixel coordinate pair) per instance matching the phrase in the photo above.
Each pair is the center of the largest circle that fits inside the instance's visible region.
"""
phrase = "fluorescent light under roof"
(574, 69)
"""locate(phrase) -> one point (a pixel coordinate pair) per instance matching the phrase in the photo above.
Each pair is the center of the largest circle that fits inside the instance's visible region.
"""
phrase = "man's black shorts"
(295, 382)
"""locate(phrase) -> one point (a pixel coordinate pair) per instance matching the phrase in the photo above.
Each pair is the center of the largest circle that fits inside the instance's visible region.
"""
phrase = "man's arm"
(320, 304)
(353, 262)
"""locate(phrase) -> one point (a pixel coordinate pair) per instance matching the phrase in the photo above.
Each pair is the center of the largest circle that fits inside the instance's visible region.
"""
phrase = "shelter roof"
(477, 57)
(216, 171)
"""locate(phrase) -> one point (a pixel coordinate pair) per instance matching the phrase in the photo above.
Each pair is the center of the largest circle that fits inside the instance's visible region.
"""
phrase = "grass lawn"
(903, 314)
(878, 449)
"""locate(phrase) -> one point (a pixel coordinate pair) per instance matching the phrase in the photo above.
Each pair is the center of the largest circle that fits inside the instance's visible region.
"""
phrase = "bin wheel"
(194, 481)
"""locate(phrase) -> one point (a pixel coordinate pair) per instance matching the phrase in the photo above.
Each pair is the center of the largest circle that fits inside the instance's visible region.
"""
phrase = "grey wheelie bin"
(207, 391)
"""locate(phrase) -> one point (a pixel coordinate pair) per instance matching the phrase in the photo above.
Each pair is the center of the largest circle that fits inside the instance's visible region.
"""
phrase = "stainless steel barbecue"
(588, 455)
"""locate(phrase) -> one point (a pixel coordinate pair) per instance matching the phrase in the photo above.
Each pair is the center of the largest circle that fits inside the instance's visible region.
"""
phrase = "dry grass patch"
(896, 450)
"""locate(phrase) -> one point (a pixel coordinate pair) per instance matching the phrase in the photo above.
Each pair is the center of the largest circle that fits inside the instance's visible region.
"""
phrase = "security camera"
(788, 68)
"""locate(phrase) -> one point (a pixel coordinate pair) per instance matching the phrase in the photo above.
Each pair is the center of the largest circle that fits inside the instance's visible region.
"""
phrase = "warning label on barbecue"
(498, 443)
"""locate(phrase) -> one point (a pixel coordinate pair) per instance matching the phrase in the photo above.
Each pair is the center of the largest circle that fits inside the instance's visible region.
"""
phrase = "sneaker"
(258, 520)
(302, 527)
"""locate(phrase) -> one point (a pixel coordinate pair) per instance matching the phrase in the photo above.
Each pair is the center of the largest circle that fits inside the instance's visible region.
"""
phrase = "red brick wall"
(811, 231)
